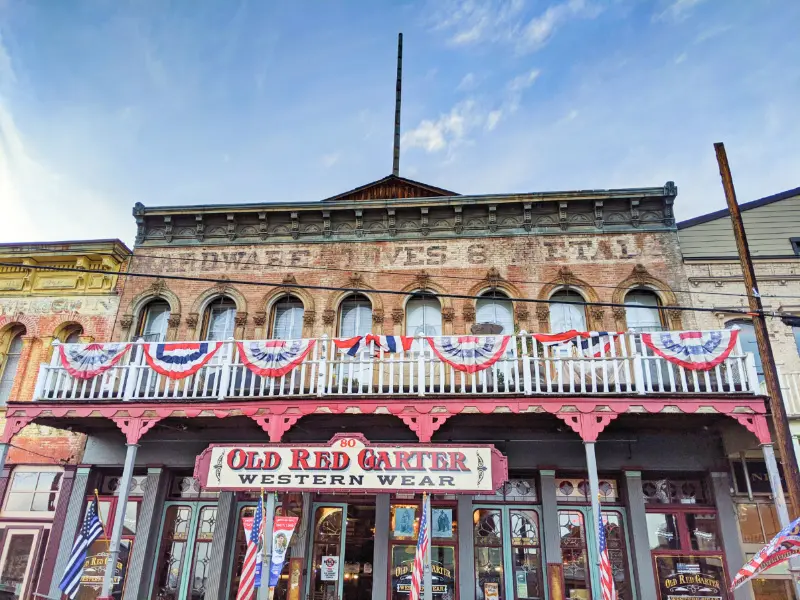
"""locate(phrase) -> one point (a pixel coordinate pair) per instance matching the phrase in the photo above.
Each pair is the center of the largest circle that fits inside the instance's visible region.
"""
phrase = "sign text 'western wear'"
(350, 462)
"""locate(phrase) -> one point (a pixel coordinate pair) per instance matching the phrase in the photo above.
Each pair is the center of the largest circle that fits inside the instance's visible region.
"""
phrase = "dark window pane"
(662, 531)
(703, 531)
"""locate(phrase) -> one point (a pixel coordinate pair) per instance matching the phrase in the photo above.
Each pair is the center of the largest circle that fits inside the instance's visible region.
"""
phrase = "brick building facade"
(595, 425)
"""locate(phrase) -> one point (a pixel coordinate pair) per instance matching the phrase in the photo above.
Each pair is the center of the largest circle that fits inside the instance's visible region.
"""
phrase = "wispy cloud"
(331, 159)
(498, 21)
(450, 130)
(467, 83)
(677, 10)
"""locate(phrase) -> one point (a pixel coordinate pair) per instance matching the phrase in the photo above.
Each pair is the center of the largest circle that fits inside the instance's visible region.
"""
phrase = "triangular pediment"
(391, 187)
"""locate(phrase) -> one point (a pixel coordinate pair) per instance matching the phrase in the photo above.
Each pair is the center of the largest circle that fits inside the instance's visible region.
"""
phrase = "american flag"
(91, 530)
(782, 547)
(606, 575)
(248, 578)
(422, 551)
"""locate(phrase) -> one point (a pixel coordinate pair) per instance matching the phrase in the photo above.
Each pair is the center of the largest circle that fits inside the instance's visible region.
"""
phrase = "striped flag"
(606, 575)
(780, 549)
(423, 539)
(248, 579)
(91, 530)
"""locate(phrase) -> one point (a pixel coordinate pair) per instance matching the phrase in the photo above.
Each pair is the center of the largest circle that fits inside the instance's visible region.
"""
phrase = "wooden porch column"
(140, 568)
(729, 530)
(71, 521)
(466, 548)
(380, 557)
(642, 566)
(221, 546)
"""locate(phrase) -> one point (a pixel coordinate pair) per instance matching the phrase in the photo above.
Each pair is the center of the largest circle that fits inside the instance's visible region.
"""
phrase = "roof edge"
(724, 212)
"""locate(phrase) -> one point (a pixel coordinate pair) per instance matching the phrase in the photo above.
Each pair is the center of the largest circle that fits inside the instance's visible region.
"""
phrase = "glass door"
(17, 562)
(185, 551)
(579, 552)
(327, 551)
(508, 553)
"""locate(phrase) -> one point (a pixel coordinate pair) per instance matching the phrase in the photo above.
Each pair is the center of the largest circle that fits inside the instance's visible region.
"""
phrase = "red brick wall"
(597, 260)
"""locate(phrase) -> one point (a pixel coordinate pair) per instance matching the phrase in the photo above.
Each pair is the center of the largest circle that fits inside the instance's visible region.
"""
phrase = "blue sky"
(104, 103)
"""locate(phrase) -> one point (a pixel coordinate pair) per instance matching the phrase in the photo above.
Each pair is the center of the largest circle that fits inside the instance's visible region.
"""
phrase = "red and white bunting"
(693, 350)
(469, 353)
(84, 362)
(274, 358)
(177, 360)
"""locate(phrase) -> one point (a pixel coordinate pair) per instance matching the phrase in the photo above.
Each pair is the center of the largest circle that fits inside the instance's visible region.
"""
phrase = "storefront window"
(16, 563)
(758, 522)
(404, 525)
(703, 531)
(526, 555)
(574, 555)
(33, 491)
(489, 554)
(662, 531)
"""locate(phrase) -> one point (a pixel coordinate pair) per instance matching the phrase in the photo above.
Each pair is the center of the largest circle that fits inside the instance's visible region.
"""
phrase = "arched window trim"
(659, 304)
(497, 297)
(424, 295)
(220, 300)
(9, 369)
(361, 328)
(566, 290)
(297, 327)
(144, 316)
(746, 345)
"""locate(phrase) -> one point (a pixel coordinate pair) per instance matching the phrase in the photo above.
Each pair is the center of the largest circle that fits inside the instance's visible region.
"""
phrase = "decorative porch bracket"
(275, 425)
(587, 425)
(755, 424)
(424, 425)
(135, 427)
(13, 426)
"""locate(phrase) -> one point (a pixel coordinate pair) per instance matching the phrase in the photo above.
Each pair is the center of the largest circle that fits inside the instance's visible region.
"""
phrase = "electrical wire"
(399, 273)
(63, 461)
(356, 290)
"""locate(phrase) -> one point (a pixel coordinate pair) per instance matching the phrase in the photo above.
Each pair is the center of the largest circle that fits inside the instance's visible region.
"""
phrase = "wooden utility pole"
(780, 419)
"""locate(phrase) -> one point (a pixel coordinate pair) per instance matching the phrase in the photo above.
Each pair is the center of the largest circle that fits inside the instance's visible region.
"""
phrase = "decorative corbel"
(424, 425)
(275, 425)
(231, 226)
(168, 228)
(199, 228)
(328, 316)
(635, 212)
(562, 215)
(263, 225)
(326, 223)
(492, 217)
(458, 221)
(423, 220)
(133, 428)
(359, 222)
(587, 425)
(295, 227)
(391, 215)
(527, 219)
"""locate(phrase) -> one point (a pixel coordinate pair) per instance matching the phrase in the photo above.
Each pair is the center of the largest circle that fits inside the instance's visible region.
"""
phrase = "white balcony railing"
(527, 368)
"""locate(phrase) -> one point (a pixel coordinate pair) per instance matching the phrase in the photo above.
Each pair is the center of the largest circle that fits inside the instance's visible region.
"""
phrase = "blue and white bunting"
(87, 361)
(273, 358)
(469, 353)
(177, 360)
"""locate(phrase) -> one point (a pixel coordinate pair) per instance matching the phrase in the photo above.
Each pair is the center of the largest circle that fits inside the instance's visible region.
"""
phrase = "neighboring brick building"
(38, 307)
(303, 379)
(716, 281)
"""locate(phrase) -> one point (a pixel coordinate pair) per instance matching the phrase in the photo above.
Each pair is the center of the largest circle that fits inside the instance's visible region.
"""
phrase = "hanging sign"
(94, 570)
(330, 568)
(282, 531)
(350, 463)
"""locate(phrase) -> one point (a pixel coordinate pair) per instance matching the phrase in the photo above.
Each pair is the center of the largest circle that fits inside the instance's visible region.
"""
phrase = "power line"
(356, 290)
(400, 273)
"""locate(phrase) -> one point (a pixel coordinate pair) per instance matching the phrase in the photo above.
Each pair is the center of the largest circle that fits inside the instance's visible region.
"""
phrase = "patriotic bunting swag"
(595, 344)
(274, 358)
(693, 350)
(387, 343)
(84, 362)
(180, 359)
(782, 547)
(469, 354)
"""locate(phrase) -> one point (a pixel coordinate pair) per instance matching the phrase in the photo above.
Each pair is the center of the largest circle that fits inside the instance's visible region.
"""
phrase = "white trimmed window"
(424, 315)
(287, 320)
(33, 490)
(10, 365)
(495, 307)
(565, 314)
(220, 319)
(643, 311)
(355, 316)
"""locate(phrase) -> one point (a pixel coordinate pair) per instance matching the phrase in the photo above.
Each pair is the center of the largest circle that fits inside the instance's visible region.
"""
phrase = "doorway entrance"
(342, 550)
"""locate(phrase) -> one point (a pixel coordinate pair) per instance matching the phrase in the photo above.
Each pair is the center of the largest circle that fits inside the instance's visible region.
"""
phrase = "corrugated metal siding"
(768, 231)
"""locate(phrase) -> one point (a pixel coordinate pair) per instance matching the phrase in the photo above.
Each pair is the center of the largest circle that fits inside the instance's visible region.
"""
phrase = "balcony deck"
(623, 366)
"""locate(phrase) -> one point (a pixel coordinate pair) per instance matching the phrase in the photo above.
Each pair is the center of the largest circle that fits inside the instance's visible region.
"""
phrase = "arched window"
(10, 365)
(153, 321)
(355, 316)
(219, 319)
(565, 315)
(643, 312)
(495, 307)
(747, 338)
(71, 334)
(424, 315)
(287, 318)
